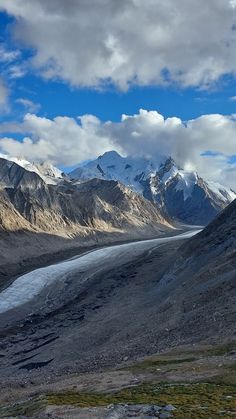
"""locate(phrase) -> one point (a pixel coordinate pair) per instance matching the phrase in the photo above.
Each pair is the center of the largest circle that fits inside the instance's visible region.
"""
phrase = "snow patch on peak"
(160, 183)
(225, 194)
(111, 155)
(111, 166)
(186, 182)
(169, 175)
(50, 174)
(20, 161)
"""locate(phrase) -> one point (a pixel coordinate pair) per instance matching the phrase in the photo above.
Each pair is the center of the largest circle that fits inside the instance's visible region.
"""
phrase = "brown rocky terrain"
(128, 308)
(39, 220)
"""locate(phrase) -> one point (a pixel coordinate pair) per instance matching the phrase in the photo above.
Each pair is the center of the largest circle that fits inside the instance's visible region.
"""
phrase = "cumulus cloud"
(205, 144)
(62, 140)
(89, 43)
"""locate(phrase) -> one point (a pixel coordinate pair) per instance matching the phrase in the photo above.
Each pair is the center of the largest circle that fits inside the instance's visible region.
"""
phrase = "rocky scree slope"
(202, 279)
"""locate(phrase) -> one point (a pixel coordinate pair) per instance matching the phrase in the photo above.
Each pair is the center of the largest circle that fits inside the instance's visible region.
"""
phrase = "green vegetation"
(195, 401)
(210, 400)
(28, 408)
(151, 364)
(221, 350)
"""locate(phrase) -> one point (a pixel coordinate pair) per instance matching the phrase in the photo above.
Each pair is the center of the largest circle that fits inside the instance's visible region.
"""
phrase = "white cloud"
(63, 140)
(150, 134)
(17, 71)
(88, 43)
(3, 95)
(66, 141)
(29, 105)
(6, 55)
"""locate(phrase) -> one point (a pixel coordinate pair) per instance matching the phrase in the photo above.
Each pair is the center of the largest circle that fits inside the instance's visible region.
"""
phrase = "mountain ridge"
(180, 194)
(67, 208)
(49, 173)
(39, 220)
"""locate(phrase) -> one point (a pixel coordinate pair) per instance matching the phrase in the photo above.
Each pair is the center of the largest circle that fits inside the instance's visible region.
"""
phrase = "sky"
(153, 77)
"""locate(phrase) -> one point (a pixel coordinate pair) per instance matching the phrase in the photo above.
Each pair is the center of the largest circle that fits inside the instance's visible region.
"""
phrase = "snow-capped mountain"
(185, 195)
(49, 173)
(181, 194)
(112, 166)
(67, 208)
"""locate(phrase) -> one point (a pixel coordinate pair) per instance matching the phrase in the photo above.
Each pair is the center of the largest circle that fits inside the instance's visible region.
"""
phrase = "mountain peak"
(168, 170)
(112, 154)
(181, 193)
(169, 163)
(47, 172)
(46, 169)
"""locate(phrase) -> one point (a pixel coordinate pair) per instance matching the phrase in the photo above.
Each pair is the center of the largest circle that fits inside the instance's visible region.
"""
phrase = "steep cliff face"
(14, 176)
(49, 173)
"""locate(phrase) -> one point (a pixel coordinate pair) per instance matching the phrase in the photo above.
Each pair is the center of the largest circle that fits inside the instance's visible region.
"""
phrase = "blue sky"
(109, 59)
(58, 98)
(108, 103)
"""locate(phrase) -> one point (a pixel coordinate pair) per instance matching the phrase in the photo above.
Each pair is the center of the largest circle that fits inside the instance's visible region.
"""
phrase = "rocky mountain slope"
(201, 280)
(67, 207)
(97, 211)
(214, 249)
(49, 173)
(173, 295)
(178, 193)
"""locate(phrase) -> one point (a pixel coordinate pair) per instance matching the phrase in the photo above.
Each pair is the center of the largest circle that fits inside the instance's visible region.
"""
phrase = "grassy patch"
(151, 364)
(221, 350)
(195, 401)
(171, 359)
(227, 376)
(192, 400)
(29, 408)
(211, 400)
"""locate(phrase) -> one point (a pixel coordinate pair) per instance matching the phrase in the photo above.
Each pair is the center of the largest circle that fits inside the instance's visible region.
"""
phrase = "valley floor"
(190, 382)
(121, 337)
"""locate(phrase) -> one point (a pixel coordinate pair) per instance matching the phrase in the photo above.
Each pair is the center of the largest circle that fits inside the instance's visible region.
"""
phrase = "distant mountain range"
(189, 290)
(93, 195)
(41, 197)
(41, 210)
(178, 193)
(49, 173)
